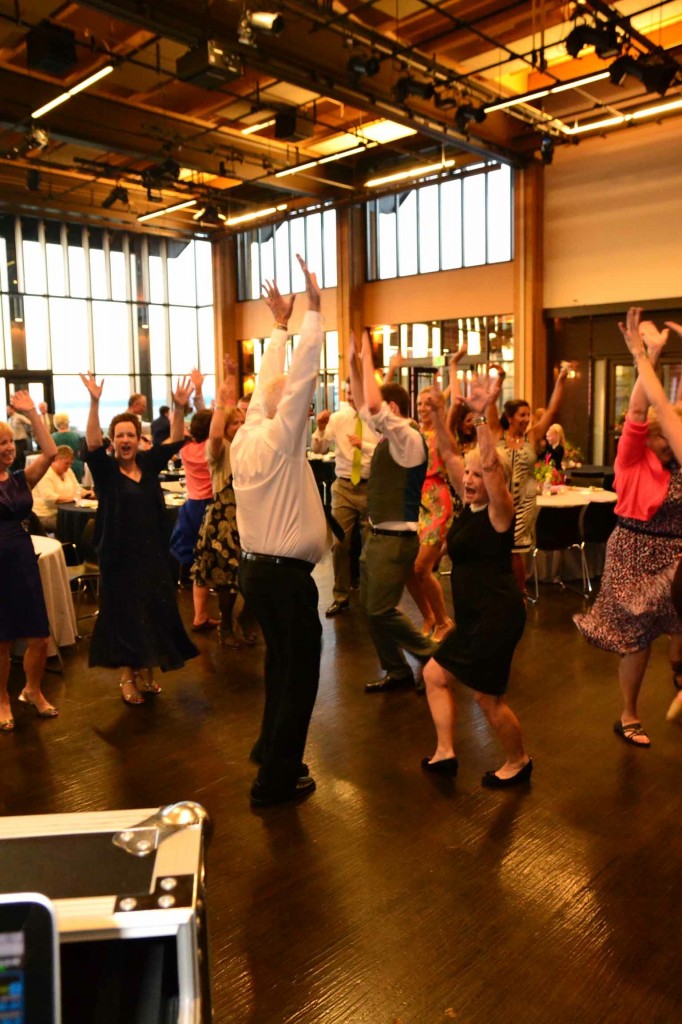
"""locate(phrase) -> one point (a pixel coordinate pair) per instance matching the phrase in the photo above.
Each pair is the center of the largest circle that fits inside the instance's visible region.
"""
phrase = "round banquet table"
(552, 565)
(71, 518)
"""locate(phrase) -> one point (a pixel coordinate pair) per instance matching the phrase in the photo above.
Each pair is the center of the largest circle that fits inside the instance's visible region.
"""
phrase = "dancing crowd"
(460, 482)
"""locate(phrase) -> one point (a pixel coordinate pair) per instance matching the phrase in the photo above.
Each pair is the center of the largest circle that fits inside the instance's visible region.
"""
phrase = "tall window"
(135, 309)
(462, 222)
(327, 390)
(270, 252)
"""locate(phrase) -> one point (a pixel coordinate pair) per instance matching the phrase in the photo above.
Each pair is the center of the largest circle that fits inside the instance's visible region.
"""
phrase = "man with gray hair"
(283, 535)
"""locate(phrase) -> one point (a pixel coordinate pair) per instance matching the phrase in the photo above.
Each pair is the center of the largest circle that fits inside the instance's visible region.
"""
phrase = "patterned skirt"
(436, 512)
(216, 555)
(634, 605)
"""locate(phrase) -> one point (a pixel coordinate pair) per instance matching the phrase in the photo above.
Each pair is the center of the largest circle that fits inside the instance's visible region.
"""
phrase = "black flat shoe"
(335, 607)
(389, 682)
(492, 781)
(261, 796)
(446, 766)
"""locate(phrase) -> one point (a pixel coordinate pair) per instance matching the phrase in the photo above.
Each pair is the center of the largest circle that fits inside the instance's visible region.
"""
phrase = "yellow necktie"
(355, 473)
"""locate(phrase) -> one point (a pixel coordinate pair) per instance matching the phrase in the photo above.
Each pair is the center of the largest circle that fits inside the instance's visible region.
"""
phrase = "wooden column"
(350, 264)
(224, 254)
(530, 356)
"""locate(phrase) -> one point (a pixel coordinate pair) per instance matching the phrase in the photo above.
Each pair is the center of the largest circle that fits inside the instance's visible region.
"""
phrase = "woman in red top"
(191, 515)
(634, 606)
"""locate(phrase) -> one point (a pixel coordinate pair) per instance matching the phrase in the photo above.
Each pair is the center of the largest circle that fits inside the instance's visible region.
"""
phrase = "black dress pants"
(284, 599)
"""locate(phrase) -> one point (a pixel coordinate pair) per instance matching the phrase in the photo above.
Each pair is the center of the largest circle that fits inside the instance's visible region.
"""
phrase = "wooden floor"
(392, 897)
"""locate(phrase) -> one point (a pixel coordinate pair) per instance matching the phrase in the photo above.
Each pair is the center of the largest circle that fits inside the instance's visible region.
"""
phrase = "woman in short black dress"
(139, 626)
(23, 612)
(489, 607)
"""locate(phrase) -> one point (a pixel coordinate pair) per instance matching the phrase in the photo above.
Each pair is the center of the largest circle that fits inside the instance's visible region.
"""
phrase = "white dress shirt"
(21, 426)
(279, 510)
(405, 444)
(53, 488)
(341, 424)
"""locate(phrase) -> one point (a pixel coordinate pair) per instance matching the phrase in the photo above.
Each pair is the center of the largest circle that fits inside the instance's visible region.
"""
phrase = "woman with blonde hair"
(556, 447)
(23, 614)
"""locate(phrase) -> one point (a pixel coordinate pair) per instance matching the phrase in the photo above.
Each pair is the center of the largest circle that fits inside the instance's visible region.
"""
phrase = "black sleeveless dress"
(489, 609)
(22, 609)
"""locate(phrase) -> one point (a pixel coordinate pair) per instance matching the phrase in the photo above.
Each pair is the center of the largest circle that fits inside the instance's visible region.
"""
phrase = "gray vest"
(394, 492)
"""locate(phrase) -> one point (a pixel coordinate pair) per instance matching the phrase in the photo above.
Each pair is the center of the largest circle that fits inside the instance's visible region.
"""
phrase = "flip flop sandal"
(629, 731)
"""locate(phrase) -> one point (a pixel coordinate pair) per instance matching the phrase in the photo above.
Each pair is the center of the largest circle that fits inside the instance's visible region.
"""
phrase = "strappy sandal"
(135, 698)
(144, 681)
(47, 712)
(629, 731)
(7, 725)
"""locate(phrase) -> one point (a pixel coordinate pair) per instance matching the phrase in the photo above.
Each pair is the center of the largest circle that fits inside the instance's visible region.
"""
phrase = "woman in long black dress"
(489, 607)
(23, 613)
(139, 626)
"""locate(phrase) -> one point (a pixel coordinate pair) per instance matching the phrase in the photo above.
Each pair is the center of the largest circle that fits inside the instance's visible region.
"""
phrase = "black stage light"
(466, 114)
(407, 86)
(656, 74)
(603, 38)
(361, 65)
(264, 21)
(118, 194)
(33, 179)
(547, 149)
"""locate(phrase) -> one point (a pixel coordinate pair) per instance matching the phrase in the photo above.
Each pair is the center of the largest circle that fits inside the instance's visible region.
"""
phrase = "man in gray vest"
(396, 476)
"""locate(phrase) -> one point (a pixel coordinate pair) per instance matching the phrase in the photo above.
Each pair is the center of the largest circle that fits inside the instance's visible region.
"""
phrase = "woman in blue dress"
(23, 616)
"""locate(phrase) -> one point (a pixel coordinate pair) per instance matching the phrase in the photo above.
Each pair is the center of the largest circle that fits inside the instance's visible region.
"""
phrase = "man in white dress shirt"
(283, 534)
(355, 444)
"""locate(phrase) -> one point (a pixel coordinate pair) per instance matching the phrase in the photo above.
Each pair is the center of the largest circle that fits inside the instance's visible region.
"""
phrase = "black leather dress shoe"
(335, 607)
(261, 796)
(446, 766)
(389, 682)
(492, 781)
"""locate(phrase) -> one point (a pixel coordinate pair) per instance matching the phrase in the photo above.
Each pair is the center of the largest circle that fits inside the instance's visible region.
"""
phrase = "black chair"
(597, 522)
(84, 576)
(558, 529)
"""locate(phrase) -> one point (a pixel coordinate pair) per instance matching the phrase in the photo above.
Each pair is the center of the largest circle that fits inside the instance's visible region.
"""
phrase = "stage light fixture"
(263, 21)
(211, 215)
(547, 149)
(603, 38)
(33, 179)
(361, 65)
(118, 194)
(34, 139)
(408, 86)
(466, 114)
(656, 74)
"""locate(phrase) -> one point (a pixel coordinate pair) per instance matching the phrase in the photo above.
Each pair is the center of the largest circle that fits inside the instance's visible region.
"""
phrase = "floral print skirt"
(216, 555)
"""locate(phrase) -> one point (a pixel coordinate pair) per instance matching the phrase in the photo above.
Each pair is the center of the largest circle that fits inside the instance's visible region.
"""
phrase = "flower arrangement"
(572, 455)
(547, 474)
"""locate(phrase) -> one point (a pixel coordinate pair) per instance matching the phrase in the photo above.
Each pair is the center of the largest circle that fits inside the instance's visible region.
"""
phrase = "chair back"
(86, 545)
(557, 528)
(597, 522)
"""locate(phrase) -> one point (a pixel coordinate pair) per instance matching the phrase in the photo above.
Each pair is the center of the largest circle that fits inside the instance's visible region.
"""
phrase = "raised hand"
(323, 419)
(630, 331)
(396, 361)
(677, 328)
(279, 306)
(460, 353)
(197, 379)
(91, 384)
(22, 402)
(311, 286)
(483, 392)
(183, 390)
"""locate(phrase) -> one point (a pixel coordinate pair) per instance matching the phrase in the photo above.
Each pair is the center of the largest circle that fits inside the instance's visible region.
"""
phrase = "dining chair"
(558, 529)
(597, 522)
(84, 576)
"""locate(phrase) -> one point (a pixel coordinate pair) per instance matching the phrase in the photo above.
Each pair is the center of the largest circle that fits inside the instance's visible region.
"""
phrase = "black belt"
(348, 480)
(252, 556)
(393, 533)
(636, 528)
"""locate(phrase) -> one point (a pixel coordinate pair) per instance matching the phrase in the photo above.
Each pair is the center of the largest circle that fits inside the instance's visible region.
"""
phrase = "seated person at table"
(635, 606)
(63, 434)
(139, 627)
(23, 608)
(59, 485)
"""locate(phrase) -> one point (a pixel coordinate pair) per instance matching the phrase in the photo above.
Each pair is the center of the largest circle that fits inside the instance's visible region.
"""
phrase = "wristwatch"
(480, 419)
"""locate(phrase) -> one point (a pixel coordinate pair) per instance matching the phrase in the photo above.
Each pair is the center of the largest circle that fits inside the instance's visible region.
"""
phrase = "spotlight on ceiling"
(33, 180)
(118, 194)
(361, 65)
(603, 38)
(466, 114)
(407, 86)
(35, 139)
(547, 149)
(210, 215)
(655, 73)
(264, 21)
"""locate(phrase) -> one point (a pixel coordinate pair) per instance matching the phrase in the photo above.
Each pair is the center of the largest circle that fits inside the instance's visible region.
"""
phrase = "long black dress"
(23, 612)
(489, 609)
(139, 624)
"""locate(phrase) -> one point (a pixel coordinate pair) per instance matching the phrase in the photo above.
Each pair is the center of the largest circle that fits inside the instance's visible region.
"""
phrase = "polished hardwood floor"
(390, 896)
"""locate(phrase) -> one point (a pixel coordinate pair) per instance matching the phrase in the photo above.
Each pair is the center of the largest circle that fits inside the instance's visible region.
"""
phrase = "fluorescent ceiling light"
(63, 97)
(168, 209)
(258, 127)
(340, 156)
(384, 131)
(526, 97)
(244, 218)
(636, 115)
(414, 172)
(295, 170)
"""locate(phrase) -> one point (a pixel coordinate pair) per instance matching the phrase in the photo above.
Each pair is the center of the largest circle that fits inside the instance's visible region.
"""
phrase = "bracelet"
(281, 327)
(479, 420)
(641, 354)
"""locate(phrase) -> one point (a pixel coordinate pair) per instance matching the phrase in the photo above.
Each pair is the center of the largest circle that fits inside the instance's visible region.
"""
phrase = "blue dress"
(22, 610)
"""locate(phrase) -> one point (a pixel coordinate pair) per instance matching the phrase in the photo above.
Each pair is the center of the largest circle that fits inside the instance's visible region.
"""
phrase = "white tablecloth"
(573, 496)
(58, 598)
